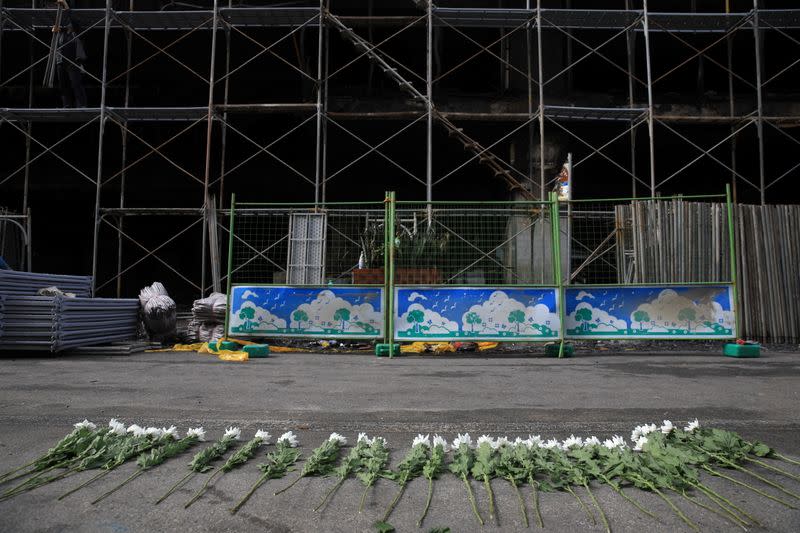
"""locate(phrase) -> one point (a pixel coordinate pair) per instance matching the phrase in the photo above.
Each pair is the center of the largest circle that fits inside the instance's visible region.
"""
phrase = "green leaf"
(383, 527)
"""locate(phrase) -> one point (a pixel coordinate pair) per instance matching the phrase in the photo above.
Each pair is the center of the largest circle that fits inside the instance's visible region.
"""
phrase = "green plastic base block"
(742, 350)
(382, 350)
(229, 345)
(552, 350)
(256, 350)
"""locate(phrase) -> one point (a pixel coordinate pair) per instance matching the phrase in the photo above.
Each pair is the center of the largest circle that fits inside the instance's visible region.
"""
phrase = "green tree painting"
(584, 315)
(416, 317)
(300, 316)
(473, 318)
(688, 315)
(247, 314)
(518, 317)
(343, 315)
(641, 317)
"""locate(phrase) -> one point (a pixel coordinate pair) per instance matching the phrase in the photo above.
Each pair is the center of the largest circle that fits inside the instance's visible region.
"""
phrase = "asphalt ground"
(594, 393)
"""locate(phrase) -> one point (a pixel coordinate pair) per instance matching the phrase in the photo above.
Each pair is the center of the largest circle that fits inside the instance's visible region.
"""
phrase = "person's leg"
(64, 87)
(78, 90)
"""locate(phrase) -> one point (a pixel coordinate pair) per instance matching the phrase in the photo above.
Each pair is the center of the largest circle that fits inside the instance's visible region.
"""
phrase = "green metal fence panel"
(653, 268)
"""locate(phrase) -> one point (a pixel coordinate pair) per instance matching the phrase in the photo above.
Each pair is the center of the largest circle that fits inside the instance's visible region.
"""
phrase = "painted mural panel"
(469, 313)
(329, 312)
(653, 312)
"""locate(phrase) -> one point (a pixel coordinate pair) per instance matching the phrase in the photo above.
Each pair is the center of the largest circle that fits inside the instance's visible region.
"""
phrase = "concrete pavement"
(314, 394)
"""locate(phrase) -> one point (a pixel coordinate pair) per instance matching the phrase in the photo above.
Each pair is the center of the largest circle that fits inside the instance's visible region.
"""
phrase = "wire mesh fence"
(434, 244)
(298, 245)
(474, 244)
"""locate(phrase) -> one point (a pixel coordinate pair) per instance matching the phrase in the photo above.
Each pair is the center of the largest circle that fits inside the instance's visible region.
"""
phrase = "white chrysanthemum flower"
(153, 432)
(263, 435)
(610, 444)
(116, 426)
(423, 440)
(519, 442)
(550, 444)
(571, 442)
(378, 439)
(85, 425)
(232, 432)
(534, 440)
(137, 430)
(649, 428)
(462, 439)
(619, 441)
(667, 427)
(502, 441)
(198, 433)
(694, 424)
(440, 441)
(335, 436)
(362, 437)
(592, 441)
(639, 443)
(485, 439)
(289, 439)
(173, 432)
(636, 433)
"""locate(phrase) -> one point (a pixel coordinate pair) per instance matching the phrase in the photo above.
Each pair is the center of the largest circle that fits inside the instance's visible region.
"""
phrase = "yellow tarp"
(202, 347)
(422, 347)
(441, 347)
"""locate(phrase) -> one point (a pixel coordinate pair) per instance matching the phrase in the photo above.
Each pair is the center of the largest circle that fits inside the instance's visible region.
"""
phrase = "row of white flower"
(638, 437)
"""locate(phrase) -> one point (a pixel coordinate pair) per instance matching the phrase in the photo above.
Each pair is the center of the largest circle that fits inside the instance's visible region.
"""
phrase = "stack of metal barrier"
(14, 283)
(53, 324)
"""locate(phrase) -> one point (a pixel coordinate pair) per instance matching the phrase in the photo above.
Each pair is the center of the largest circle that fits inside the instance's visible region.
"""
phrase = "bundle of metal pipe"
(43, 323)
(17, 283)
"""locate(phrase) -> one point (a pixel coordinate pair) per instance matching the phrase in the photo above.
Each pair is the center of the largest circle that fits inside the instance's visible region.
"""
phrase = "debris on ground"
(158, 312)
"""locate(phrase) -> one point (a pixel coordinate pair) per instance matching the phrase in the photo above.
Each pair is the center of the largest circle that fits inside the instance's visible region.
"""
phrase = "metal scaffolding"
(516, 39)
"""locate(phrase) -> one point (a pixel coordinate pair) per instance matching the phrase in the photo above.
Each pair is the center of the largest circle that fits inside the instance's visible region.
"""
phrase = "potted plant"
(418, 250)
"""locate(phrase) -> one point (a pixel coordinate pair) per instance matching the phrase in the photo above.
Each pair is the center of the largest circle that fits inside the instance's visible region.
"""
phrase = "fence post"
(230, 264)
(732, 247)
(555, 225)
(387, 348)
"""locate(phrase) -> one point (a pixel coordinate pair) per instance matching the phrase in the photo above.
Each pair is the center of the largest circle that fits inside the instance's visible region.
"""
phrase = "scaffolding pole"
(101, 137)
(648, 58)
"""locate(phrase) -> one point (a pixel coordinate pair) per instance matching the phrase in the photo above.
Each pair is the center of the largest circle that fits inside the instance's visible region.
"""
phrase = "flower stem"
(105, 495)
(535, 489)
(787, 460)
(85, 483)
(583, 506)
(363, 498)
(727, 515)
(751, 473)
(599, 509)
(23, 467)
(292, 484)
(330, 494)
(773, 468)
(427, 502)
(185, 479)
(394, 503)
(36, 475)
(712, 494)
(747, 486)
(249, 493)
(472, 499)
(616, 488)
(487, 483)
(203, 489)
(521, 501)
(675, 508)
(33, 484)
